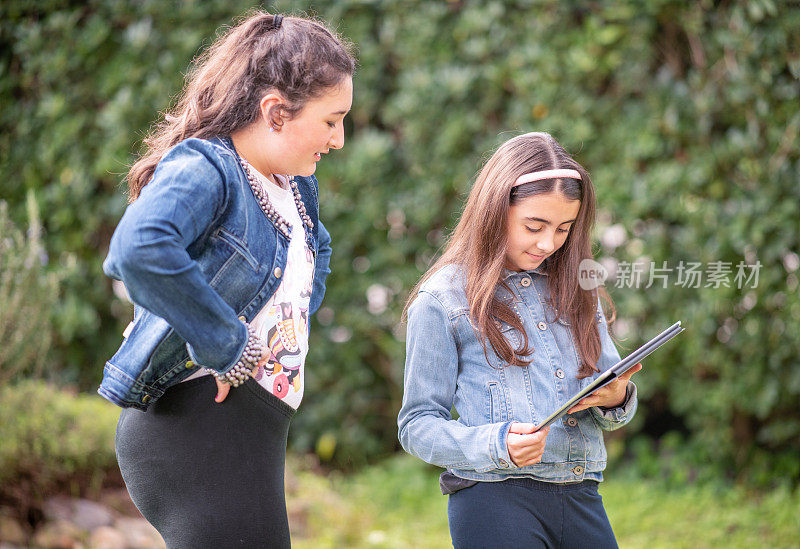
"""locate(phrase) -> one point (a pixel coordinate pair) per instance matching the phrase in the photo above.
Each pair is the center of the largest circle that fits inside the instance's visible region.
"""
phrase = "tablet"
(615, 371)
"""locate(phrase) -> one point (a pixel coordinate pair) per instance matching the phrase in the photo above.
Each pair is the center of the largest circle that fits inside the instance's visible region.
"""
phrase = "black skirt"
(209, 474)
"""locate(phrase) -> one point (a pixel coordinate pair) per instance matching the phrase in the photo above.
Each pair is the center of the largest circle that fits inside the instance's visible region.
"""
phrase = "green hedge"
(53, 439)
(685, 114)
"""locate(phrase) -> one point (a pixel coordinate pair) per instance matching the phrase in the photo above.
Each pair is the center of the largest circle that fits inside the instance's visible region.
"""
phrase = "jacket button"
(243, 319)
(578, 470)
(542, 326)
(560, 373)
(525, 282)
(572, 422)
(189, 364)
(503, 463)
(278, 272)
(146, 399)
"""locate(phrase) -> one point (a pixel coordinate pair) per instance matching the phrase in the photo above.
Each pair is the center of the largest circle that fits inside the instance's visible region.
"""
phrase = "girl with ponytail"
(224, 256)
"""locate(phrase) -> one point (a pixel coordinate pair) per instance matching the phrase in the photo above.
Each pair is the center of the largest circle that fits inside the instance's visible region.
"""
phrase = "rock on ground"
(106, 537)
(59, 534)
(83, 513)
(11, 531)
(139, 534)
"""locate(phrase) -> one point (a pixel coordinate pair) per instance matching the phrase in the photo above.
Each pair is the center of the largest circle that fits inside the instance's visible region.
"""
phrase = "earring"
(272, 128)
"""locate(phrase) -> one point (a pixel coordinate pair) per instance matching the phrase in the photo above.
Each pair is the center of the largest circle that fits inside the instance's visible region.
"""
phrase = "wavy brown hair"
(478, 244)
(300, 59)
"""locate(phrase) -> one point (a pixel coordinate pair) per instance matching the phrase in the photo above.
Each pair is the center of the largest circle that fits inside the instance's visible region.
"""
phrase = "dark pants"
(524, 513)
(207, 474)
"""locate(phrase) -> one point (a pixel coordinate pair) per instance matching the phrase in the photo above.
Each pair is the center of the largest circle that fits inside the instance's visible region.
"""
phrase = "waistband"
(557, 487)
(191, 390)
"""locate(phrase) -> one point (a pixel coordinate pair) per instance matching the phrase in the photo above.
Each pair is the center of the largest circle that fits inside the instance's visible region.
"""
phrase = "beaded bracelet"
(247, 363)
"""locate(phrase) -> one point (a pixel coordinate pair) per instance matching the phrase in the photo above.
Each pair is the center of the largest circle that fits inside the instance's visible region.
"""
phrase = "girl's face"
(537, 226)
(299, 144)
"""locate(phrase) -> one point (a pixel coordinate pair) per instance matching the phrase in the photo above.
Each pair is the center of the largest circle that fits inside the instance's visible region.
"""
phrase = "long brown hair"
(479, 241)
(300, 58)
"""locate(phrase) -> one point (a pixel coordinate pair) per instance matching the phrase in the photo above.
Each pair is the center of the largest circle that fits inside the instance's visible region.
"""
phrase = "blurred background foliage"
(28, 293)
(685, 113)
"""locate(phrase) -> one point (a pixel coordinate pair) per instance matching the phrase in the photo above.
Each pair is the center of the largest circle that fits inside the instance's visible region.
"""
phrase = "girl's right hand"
(526, 444)
(224, 388)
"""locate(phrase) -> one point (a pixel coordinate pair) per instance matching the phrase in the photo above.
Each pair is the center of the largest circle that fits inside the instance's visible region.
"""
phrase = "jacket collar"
(537, 271)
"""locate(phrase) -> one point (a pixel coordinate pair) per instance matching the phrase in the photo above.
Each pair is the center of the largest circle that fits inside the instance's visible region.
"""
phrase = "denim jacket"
(446, 367)
(197, 256)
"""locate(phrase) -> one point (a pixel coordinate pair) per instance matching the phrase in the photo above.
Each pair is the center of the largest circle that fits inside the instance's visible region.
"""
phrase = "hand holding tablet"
(611, 395)
(619, 369)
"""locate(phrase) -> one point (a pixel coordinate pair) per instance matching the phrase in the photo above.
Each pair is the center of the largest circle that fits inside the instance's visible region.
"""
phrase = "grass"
(397, 504)
(650, 514)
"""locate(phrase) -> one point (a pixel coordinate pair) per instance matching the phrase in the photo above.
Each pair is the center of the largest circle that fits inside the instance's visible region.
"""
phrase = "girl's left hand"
(610, 396)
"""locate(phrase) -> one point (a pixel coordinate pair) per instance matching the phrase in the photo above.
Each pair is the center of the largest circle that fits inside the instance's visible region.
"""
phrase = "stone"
(106, 537)
(85, 514)
(90, 515)
(59, 534)
(12, 531)
(57, 508)
(139, 533)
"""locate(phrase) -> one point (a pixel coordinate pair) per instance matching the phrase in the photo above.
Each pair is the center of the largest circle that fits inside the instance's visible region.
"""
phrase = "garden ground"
(397, 504)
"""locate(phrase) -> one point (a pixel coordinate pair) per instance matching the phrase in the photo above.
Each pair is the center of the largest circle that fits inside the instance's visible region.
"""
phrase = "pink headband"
(547, 174)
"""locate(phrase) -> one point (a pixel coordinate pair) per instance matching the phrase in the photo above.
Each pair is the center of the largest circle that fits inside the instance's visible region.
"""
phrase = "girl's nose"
(337, 139)
(545, 244)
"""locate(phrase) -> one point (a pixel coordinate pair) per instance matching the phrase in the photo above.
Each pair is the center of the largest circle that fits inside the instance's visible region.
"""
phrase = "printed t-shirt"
(283, 321)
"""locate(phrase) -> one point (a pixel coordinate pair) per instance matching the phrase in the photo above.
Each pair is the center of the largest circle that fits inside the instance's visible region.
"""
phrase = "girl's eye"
(532, 230)
(563, 230)
(331, 124)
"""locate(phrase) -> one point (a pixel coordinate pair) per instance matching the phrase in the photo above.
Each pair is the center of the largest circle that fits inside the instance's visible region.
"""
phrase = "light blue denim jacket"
(446, 367)
(197, 255)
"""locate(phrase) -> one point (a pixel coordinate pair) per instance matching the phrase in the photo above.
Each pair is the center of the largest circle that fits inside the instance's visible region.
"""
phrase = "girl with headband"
(224, 257)
(500, 329)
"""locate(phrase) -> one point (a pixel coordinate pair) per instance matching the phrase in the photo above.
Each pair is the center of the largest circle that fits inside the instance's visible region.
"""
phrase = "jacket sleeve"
(613, 418)
(321, 267)
(148, 252)
(426, 428)
(610, 419)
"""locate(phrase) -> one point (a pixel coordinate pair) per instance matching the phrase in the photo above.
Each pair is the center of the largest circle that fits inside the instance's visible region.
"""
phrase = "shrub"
(53, 440)
(686, 116)
(685, 113)
(27, 296)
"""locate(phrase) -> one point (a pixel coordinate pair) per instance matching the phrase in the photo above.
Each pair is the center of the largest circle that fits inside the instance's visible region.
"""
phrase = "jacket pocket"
(593, 434)
(238, 246)
(496, 405)
(511, 335)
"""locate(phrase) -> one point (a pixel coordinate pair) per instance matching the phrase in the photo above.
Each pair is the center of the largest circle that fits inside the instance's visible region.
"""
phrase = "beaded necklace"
(266, 206)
